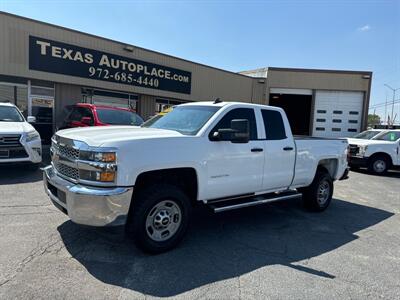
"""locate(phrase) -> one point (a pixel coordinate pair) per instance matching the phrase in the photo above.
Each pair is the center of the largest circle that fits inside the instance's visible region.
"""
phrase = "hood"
(97, 136)
(15, 127)
(361, 142)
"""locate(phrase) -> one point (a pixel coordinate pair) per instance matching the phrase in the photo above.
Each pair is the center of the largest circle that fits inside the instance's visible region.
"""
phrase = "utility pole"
(394, 95)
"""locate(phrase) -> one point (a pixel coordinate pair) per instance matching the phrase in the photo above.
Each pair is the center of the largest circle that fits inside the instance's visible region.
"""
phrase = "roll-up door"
(337, 113)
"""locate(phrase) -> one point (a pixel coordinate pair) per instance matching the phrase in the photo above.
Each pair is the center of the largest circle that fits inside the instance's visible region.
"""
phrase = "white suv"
(19, 141)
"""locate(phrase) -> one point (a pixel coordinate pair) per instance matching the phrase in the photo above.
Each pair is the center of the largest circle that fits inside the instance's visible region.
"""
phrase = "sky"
(243, 35)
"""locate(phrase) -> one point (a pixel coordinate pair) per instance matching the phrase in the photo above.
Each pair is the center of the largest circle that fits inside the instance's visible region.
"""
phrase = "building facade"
(44, 68)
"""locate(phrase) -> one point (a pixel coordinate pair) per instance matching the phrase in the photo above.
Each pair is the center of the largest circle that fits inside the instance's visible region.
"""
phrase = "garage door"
(337, 113)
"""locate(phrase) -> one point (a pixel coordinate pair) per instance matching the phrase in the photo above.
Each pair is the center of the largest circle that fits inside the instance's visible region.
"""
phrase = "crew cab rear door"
(279, 151)
(234, 169)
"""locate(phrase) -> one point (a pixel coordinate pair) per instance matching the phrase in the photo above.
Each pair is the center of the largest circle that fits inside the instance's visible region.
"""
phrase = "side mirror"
(87, 121)
(241, 131)
(31, 119)
(238, 133)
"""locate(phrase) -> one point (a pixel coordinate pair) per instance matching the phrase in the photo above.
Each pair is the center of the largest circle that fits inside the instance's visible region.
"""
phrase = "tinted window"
(338, 112)
(337, 121)
(353, 113)
(321, 111)
(389, 136)
(273, 123)
(78, 113)
(118, 117)
(367, 135)
(239, 113)
(10, 114)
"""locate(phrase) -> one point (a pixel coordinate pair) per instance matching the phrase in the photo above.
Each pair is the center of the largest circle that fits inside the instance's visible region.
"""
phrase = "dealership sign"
(56, 57)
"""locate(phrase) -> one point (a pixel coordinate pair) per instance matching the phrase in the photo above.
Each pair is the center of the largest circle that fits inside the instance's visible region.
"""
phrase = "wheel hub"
(323, 192)
(163, 220)
(379, 166)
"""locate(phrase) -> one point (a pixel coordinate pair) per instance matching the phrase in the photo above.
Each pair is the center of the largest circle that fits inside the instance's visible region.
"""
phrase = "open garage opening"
(297, 108)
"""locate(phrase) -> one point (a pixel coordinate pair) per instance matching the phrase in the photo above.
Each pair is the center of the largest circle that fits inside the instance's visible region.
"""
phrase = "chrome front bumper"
(87, 205)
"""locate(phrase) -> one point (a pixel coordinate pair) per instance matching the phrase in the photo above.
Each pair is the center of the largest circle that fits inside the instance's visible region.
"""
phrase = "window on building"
(163, 104)
(274, 126)
(16, 94)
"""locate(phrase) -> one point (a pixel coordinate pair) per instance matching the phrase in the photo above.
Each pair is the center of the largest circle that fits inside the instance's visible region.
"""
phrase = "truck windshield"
(187, 120)
(118, 117)
(10, 114)
(367, 135)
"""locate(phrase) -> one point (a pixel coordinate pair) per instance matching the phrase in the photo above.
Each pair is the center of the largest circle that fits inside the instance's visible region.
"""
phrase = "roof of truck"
(223, 103)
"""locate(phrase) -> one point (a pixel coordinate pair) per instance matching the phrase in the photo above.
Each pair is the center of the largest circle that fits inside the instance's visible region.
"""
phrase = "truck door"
(279, 151)
(234, 169)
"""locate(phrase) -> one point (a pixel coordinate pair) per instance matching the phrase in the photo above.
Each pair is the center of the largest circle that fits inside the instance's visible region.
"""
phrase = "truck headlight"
(101, 176)
(98, 156)
(362, 150)
(31, 136)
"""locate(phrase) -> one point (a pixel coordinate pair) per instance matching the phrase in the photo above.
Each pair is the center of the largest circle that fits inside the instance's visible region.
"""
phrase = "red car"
(84, 114)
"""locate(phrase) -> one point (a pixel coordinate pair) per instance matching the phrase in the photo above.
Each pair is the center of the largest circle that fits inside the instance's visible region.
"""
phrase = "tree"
(373, 119)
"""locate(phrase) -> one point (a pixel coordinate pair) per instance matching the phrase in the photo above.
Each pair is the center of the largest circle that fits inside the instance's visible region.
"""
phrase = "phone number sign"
(61, 58)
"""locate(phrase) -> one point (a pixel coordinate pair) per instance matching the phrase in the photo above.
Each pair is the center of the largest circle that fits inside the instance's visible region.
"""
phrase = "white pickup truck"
(19, 142)
(378, 154)
(222, 154)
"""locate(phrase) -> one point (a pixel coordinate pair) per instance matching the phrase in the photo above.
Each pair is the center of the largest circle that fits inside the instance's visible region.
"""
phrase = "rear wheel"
(378, 165)
(318, 195)
(160, 217)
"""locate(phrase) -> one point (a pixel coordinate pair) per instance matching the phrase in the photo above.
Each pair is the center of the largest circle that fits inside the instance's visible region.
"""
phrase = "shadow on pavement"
(390, 173)
(23, 173)
(222, 246)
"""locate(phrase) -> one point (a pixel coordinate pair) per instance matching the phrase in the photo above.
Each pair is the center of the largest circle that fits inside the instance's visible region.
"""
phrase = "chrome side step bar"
(257, 200)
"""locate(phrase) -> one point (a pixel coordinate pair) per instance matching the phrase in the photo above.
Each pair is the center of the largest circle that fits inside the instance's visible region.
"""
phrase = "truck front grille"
(67, 171)
(68, 152)
(354, 149)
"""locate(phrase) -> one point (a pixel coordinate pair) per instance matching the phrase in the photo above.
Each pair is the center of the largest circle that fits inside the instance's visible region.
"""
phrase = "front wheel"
(160, 217)
(318, 195)
(378, 165)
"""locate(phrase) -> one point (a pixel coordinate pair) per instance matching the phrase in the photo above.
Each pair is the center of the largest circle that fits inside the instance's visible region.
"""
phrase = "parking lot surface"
(274, 251)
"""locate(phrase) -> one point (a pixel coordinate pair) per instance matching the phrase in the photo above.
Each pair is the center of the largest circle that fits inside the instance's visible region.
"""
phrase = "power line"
(384, 103)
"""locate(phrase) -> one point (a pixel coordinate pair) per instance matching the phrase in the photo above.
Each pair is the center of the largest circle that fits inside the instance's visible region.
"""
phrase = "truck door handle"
(288, 148)
(257, 150)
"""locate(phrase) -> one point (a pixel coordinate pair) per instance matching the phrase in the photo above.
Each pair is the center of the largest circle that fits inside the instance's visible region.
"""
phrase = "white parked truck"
(19, 141)
(378, 154)
(224, 155)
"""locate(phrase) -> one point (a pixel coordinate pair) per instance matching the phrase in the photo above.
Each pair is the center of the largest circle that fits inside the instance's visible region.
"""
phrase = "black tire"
(145, 203)
(378, 164)
(312, 198)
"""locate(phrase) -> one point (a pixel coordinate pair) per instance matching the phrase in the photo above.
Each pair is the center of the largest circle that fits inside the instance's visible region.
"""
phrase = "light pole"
(394, 94)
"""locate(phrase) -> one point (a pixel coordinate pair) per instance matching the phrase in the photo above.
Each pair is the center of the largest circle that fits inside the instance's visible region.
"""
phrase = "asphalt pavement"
(275, 251)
